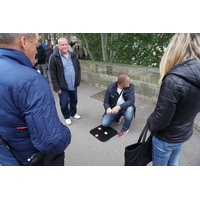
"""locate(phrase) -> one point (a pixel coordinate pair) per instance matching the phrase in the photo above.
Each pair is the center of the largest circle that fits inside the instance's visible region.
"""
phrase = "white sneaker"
(76, 116)
(68, 121)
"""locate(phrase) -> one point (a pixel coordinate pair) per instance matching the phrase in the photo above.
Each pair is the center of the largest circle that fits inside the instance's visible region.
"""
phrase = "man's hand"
(109, 111)
(116, 109)
(59, 92)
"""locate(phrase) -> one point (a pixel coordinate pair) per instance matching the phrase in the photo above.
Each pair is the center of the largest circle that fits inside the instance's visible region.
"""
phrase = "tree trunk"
(114, 36)
(111, 43)
(44, 37)
(68, 36)
(51, 37)
(87, 47)
(104, 42)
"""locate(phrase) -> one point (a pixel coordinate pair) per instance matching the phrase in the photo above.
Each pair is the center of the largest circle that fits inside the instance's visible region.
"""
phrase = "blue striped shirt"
(69, 72)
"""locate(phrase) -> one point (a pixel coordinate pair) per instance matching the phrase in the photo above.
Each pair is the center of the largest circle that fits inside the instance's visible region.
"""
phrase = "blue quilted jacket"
(26, 100)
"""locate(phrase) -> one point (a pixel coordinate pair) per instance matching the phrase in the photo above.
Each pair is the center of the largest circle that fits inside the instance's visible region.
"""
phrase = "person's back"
(41, 60)
(41, 54)
(55, 48)
(183, 101)
(28, 116)
(171, 123)
(49, 51)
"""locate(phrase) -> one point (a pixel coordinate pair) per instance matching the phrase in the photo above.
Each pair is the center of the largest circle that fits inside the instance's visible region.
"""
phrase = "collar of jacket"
(115, 87)
(58, 54)
(40, 47)
(17, 55)
(187, 70)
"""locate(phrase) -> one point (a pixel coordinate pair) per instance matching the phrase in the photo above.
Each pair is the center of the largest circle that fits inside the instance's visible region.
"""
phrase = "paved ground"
(86, 150)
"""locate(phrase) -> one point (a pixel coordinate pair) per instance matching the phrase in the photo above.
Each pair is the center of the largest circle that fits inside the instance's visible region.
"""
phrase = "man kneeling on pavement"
(119, 101)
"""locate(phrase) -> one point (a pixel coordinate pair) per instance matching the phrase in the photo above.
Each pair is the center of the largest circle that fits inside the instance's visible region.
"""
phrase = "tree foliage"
(145, 49)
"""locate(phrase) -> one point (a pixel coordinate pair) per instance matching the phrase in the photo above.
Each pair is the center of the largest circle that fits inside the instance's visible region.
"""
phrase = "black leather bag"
(140, 153)
(41, 159)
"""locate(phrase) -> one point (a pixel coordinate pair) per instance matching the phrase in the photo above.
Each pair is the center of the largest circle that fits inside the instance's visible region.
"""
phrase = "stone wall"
(102, 74)
(145, 79)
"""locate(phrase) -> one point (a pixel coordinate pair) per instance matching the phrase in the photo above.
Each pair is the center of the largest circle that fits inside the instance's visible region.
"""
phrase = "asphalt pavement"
(86, 150)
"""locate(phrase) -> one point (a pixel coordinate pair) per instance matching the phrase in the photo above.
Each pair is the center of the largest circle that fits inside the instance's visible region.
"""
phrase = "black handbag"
(39, 158)
(140, 153)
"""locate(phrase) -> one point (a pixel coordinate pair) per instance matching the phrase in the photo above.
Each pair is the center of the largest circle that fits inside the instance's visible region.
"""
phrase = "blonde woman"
(178, 103)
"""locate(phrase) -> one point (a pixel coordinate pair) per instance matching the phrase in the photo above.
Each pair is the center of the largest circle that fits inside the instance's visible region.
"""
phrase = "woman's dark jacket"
(57, 71)
(111, 96)
(178, 103)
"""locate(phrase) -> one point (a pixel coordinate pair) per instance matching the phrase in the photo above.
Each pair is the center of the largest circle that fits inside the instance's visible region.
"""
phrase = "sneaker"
(76, 116)
(123, 132)
(68, 121)
(118, 121)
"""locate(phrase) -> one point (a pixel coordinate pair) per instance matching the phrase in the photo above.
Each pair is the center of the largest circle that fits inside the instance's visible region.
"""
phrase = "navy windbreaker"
(26, 100)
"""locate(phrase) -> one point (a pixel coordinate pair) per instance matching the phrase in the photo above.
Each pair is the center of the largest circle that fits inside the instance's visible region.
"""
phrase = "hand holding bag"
(140, 153)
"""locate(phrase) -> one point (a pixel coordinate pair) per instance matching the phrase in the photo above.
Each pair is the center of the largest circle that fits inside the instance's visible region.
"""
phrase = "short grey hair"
(122, 78)
(9, 38)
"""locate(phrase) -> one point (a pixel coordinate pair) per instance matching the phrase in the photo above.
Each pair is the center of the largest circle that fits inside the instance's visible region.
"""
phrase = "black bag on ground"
(140, 153)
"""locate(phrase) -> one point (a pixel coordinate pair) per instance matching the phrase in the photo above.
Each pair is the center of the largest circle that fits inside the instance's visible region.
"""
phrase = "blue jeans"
(108, 120)
(43, 69)
(68, 103)
(164, 153)
(47, 64)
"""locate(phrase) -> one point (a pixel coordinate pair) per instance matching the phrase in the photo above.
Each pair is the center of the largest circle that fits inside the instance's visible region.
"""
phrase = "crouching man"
(119, 101)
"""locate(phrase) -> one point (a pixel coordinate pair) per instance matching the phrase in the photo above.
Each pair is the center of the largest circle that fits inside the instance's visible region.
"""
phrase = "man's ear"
(23, 43)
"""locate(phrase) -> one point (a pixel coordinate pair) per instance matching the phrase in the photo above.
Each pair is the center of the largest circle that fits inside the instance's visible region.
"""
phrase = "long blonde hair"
(182, 47)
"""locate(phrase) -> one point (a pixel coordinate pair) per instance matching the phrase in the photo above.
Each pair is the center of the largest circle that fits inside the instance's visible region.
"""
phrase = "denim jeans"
(108, 120)
(47, 64)
(43, 69)
(68, 103)
(164, 153)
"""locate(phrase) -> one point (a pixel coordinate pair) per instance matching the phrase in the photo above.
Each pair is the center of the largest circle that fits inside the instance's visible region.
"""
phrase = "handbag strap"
(10, 150)
(143, 135)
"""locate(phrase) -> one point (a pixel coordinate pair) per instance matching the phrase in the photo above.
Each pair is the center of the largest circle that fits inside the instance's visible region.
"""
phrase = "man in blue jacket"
(28, 118)
(119, 101)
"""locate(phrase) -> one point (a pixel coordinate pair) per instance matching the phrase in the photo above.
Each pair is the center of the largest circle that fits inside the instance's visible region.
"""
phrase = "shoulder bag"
(140, 153)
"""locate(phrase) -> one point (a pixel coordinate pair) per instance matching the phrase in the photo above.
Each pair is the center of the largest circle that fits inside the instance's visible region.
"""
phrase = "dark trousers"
(68, 103)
